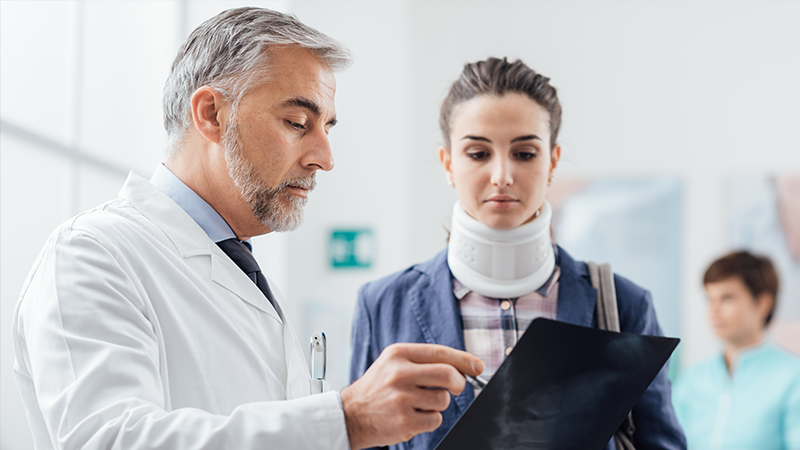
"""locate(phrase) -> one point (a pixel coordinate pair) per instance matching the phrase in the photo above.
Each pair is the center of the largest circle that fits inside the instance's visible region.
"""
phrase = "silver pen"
(318, 361)
(476, 382)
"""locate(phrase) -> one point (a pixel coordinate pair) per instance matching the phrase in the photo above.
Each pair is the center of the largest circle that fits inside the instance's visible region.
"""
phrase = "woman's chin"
(501, 223)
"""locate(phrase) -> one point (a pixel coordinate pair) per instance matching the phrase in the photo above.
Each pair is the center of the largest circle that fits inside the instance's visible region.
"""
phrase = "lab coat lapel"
(191, 241)
(576, 296)
(227, 274)
(434, 302)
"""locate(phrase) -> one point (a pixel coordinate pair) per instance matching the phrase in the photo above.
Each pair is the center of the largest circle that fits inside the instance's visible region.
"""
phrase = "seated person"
(747, 397)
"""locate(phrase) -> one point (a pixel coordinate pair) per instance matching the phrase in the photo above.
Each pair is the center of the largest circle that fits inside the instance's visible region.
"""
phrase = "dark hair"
(497, 77)
(756, 272)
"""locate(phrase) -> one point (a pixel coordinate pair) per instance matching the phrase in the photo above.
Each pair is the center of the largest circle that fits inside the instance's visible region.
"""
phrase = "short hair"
(756, 272)
(229, 53)
(497, 77)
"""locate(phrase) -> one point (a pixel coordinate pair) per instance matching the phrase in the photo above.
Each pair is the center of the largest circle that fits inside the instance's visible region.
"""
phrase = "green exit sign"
(351, 248)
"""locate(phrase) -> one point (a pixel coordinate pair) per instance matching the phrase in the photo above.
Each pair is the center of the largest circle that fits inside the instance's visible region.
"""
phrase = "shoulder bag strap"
(608, 319)
(603, 280)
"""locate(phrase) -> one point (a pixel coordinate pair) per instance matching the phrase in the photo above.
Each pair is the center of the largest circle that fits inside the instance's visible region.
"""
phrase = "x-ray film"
(563, 387)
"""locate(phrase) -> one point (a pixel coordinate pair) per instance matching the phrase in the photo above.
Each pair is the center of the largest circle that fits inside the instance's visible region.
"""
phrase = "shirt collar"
(751, 351)
(201, 212)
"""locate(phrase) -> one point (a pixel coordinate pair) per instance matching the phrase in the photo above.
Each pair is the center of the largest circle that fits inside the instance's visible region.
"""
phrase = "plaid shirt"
(493, 326)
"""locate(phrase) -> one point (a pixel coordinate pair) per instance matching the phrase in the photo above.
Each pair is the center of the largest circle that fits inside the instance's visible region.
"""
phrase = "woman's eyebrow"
(476, 138)
(526, 138)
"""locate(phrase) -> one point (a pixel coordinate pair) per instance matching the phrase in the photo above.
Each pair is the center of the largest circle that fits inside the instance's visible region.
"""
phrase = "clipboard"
(563, 387)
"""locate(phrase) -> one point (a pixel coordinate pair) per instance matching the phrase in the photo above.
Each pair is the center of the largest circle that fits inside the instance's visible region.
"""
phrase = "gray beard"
(275, 208)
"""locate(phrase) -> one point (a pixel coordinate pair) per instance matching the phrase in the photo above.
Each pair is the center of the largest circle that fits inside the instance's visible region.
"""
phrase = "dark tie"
(239, 252)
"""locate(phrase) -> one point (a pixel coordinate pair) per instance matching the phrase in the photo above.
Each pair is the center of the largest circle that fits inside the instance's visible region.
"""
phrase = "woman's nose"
(501, 173)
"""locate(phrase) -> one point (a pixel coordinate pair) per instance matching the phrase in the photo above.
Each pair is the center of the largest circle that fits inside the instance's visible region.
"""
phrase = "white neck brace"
(501, 263)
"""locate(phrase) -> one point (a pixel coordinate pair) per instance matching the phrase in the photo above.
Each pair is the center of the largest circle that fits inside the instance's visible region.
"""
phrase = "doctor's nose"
(319, 155)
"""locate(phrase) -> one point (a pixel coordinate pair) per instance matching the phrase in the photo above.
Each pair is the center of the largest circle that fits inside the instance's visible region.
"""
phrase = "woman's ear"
(555, 155)
(444, 158)
(207, 105)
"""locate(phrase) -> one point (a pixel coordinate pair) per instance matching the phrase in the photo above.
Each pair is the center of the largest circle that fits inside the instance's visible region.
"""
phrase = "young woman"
(500, 270)
(749, 395)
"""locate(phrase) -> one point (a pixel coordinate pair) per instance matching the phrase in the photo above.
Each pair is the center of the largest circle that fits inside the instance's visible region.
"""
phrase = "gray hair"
(229, 53)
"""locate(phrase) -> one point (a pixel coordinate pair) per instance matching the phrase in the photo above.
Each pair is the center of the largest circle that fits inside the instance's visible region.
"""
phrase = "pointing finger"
(441, 354)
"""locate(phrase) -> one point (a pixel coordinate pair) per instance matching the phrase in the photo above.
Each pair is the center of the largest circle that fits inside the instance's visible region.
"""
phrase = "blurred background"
(680, 142)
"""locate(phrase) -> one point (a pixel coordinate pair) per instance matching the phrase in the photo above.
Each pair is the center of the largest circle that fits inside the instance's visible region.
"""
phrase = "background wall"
(695, 90)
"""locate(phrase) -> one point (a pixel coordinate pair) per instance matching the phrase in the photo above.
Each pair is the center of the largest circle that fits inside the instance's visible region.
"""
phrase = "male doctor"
(146, 323)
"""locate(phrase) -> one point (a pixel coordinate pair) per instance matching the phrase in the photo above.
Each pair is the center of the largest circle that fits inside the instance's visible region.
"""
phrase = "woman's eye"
(525, 156)
(478, 155)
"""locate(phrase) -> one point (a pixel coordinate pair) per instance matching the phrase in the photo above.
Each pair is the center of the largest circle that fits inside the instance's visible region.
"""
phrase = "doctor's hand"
(393, 401)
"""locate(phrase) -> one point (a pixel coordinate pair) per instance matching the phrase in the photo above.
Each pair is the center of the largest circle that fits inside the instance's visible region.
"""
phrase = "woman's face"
(737, 317)
(500, 160)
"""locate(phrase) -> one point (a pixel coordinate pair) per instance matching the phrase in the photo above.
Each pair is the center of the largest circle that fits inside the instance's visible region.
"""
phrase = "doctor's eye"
(295, 125)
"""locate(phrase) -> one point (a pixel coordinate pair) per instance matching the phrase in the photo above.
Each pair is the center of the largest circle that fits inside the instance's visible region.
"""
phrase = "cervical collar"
(501, 263)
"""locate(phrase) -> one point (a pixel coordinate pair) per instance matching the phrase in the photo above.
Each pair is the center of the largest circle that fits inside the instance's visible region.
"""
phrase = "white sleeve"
(89, 372)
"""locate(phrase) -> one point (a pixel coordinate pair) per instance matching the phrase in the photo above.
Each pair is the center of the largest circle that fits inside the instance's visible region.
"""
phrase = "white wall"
(700, 90)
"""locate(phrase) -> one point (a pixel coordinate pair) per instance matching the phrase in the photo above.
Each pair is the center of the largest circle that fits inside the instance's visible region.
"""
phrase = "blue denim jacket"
(418, 305)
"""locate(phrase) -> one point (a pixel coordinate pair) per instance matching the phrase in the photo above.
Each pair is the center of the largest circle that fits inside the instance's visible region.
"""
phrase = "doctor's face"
(500, 160)
(278, 138)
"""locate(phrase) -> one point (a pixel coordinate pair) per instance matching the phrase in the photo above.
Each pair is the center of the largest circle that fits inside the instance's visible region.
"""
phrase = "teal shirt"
(756, 408)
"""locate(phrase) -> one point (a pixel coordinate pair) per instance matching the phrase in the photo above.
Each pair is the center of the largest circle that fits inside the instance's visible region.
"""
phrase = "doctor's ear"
(208, 108)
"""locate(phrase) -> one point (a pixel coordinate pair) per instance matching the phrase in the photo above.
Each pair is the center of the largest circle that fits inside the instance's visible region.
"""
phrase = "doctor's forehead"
(297, 78)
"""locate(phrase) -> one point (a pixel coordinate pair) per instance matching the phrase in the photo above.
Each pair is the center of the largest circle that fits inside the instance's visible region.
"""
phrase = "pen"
(476, 382)
(318, 361)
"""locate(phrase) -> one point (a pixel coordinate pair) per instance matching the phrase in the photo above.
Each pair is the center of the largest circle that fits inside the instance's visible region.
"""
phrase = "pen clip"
(318, 356)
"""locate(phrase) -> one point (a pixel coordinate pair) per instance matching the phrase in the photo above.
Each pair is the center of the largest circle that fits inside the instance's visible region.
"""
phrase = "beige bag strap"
(603, 281)
(608, 319)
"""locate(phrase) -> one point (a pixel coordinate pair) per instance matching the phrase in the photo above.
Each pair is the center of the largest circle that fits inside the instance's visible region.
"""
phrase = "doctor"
(145, 323)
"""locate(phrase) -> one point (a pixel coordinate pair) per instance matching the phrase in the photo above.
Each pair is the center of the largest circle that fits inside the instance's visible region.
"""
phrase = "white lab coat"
(135, 331)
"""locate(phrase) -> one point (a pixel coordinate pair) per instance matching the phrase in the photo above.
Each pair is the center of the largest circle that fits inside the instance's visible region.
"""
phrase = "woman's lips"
(501, 201)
